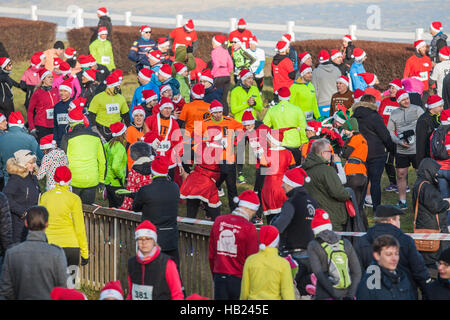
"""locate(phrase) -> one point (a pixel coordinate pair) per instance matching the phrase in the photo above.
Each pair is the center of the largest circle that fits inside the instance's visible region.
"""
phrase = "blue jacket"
(390, 286)
(174, 84)
(213, 93)
(137, 96)
(16, 139)
(357, 81)
(140, 47)
(60, 120)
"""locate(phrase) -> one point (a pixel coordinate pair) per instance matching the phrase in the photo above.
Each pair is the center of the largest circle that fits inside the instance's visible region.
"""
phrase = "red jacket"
(243, 36)
(386, 108)
(232, 239)
(42, 102)
(282, 71)
(419, 67)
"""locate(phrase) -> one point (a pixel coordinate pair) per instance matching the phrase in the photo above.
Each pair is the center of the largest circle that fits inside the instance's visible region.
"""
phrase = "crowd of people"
(318, 151)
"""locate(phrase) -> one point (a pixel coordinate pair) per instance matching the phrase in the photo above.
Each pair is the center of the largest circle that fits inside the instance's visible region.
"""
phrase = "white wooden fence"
(76, 16)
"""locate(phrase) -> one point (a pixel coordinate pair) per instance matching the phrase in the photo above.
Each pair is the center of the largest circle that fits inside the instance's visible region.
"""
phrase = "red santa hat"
(401, 94)
(64, 67)
(247, 118)
(77, 105)
(214, 133)
(358, 54)
(419, 44)
(56, 62)
(323, 56)
(207, 76)
(84, 61)
(166, 103)
(90, 74)
(198, 91)
(92, 61)
(149, 95)
(253, 40)
(47, 142)
(144, 29)
(40, 54)
(219, 39)
(436, 26)
(282, 46)
(102, 11)
(445, 53)
(315, 126)
(248, 199)
(16, 119)
(66, 85)
(335, 53)
(445, 117)
(62, 176)
(69, 53)
(189, 25)
(118, 73)
(343, 79)
(396, 83)
(112, 289)
(155, 56)
(138, 110)
(321, 221)
(358, 94)
(164, 88)
(60, 293)
(215, 106)
(269, 236)
(296, 177)
(434, 101)
(118, 129)
(43, 73)
(102, 30)
(369, 78)
(163, 41)
(146, 228)
(160, 166)
(288, 37)
(284, 94)
(145, 74)
(244, 74)
(151, 138)
(304, 69)
(112, 81)
(165, 71)
(303, 56)
(35, 61)
(180, 67)
(241, 24)
(2, 117)
(347, 38)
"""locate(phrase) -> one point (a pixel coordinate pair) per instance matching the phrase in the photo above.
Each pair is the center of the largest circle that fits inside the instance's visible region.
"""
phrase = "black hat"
(58, 45)
(445, 256)
(387, 211)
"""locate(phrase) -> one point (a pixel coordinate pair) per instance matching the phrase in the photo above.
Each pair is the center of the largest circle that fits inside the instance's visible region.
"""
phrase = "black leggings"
(72, 256)
(228, 174)
(192, 206)
(358, 183)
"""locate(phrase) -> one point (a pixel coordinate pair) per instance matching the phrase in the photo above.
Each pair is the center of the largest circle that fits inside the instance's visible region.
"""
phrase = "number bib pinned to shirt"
(62, 118)
(142, 292)
(112, 108)
(49, 114)
(309, 115)
(388, 110)
(105, 60)
(164, 146)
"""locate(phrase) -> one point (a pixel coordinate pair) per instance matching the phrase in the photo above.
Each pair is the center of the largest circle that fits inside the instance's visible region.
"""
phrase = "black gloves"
(189, 49)
(84, 261)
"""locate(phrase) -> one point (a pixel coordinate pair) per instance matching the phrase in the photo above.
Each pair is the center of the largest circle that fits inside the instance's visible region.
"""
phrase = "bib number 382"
(141, 292)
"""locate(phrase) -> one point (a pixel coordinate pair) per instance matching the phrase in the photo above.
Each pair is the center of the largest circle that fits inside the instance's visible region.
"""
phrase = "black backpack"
(437, 144)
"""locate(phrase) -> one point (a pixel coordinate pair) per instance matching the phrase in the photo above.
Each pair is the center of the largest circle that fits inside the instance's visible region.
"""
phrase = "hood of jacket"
(428, 170)
(313, 160)
(278, 58)
(327, 67)
(439, 36)
(329, 236)
(363, 104)
(12, 167)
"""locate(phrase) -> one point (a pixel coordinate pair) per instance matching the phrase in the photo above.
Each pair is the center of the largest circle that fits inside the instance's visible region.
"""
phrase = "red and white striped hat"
(282, 46)
(118, 129)
(112, 289)
(323, 56)
(304, 69)
(155, 55)
(401, 94)
(247, 118)
(47, 142)
(347, 38)
(62, 176)
(369, 78)
(358, 54)
(269, 236)
(296, 177)
(248, 199)
(343, 79)
(219, 39)
(149, 95)
(145, 74)
(245, 74)
(66, 85)
(102, 30)
(145, 28)
(335, 53)
(146, 228)
(445, 53)
(436, 26)
(241, 24)
(165, 71)
(321, 221)
(180, 67)
(434, 101)
(445, 117)
(102, 11)
(43, 73)
(419, 44)
(284, 94)
(160, 166)
(138, 110)
(189, 25)
(64, 68)
(198, 91)
(4, 62)
(303, 56)
(69, 53)
(215, 106)
(207, 76)
(396, 83)
(166, 103)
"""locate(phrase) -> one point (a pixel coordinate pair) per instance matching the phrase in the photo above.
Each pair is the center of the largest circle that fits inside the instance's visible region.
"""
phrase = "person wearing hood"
(431, 207)
(387, 221)
(6, 85)
(283, 72)
(440, 288)
(438, 42)
(101, 49)
(324, 80)
(419, 65)
(334, 282)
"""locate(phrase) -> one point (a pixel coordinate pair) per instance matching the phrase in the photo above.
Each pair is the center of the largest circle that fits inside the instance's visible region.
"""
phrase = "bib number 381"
(141, 292)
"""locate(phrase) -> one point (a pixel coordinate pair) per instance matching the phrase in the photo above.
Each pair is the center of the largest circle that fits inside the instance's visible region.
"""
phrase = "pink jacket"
(31, 76)
(75, 85)
(222, 64)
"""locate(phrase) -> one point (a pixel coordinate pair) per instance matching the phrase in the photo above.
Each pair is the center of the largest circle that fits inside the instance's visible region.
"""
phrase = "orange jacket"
(133, 136)
(355, 150)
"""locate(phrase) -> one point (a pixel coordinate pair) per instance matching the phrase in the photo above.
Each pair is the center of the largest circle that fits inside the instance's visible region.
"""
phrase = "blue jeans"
(444, 187)
(375, 168)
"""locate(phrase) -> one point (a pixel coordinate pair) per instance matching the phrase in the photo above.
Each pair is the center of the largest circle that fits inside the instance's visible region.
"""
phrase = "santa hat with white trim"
(163, 41)
(165, 71)
(357, 94)
(315, 126)
(304, 69)
(401, 94)
(436, 26)
(241, 24)
(419, 44)
(143, 29)
(64, 68)
(79, 104)
(180, 67)
(444, 53)
(2, 117)
(219, 39)
(112, 81)
(102, 30)
(160, 166)
(47, 142)
(244, 74)
(138, 110)
(281, 46)
(396, 83)
(198, 91)
(434, 101)
(113, 289)
(335, 53)
(164, 88)
(284, 94)
(145, 74)
(43, 73)
(296, 177)
(118, 129)
(321, 221)
(343, 79)
(323, 56)
(269, 236)
(445, 117)
(189, 25)
(347, 38)
(16, 119)
(358, 54)
(70, 53)
(117, 73)
(149, 95)
(207, 76)
(4, 62)
(66, 85)
(166, 103)
(155, 56)
(253, 40)
(247, 118)
(303, 56)
(35, 61)
(146, 228)
(247, 199)
(288, 37)
(369, 78)
(90, 74)
(215, 106)
(102, 11)
(62, 176)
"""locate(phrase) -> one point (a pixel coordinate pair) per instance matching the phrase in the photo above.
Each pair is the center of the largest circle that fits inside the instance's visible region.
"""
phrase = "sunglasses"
(147, 32)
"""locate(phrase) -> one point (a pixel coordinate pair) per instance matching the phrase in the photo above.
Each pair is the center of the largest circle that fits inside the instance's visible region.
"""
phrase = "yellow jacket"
(66, 220)
(267, 276)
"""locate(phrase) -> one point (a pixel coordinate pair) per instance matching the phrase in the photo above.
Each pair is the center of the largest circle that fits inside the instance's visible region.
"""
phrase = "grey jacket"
(32, 269)
(324, 80)
(401, 120)
(319, 264)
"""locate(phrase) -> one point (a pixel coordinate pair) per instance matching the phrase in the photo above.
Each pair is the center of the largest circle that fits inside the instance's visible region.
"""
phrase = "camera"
(408, 136)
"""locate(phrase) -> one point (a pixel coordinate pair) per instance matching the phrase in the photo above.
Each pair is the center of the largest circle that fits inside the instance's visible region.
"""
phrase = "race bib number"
(388, 110)
(105, 60)
(112, 108)
(423, 76)
(188, 38)
(164, 146)
(309, 115)
(49, 114)
(62, 118)
(141, 292)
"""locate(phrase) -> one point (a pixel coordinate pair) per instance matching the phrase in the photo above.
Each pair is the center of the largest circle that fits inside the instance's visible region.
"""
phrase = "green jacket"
(238, 101)
(327, 189)
(185, 90)
(284, 115)
(242, 59)
(303, 95)
(103, 53)
(108, 109)
(86, 157)
(116, 162)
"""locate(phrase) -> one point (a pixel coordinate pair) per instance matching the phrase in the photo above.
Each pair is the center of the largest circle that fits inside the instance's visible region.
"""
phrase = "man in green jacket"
(101, 49)
(303, 94)
(325, 185)
(87, 162)
(245, 96)
(285, 115)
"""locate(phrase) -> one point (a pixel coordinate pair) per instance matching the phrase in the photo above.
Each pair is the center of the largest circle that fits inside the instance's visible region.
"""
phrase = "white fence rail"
(76, 16)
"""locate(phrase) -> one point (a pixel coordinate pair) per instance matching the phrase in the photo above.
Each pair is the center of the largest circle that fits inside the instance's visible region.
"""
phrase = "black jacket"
(371, 126)
(5, 224)
(439, 289)
(348, 56)
(158, 203)
(446, 91)
(425, 126)
(6, 94)
(88, 91)
(411, 261)
(213, 93)
(103, 21)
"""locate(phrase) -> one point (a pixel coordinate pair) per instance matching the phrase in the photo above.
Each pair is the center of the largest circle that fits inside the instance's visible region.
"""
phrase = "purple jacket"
(222, 64)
